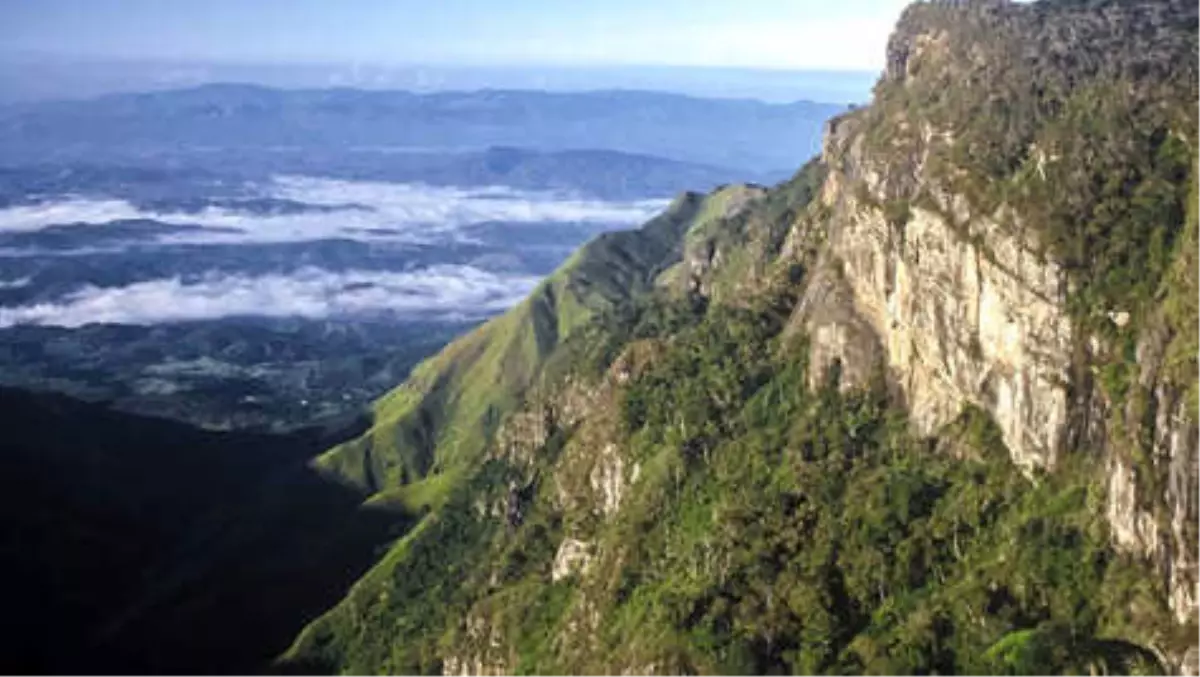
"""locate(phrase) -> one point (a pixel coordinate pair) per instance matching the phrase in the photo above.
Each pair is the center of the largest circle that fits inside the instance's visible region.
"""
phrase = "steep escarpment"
(930, 405)
(1009, 216)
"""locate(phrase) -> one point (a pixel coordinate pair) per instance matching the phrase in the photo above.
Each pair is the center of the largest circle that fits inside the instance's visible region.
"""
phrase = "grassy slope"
(806, 531)
(439, 420)
(847, 546)
(424, 449)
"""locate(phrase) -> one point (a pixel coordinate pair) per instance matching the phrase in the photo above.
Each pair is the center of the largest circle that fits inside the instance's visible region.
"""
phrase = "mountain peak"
(1083, 37)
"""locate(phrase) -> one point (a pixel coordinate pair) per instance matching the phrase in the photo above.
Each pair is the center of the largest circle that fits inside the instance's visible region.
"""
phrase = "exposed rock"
(483, 653)
(840, 339)
(1152, 506)
(707, 248)
(962, 306)
(1190, 665)
(957, 321)
(1160, 524)
(593, 476)
(608, 479)
(513, 512)
(573, 557)
(455, 666)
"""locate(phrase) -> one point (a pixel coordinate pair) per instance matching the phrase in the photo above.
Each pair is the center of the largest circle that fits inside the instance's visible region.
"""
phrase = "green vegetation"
(742, 515)
(1068, 113)
(814, 534)
(734, 253)
(1181, 304)
(392, 618)
(441, 418)
(773, 529)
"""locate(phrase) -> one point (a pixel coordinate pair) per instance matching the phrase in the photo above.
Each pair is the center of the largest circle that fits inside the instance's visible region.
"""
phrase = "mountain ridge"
(927, 406)
(909, 350)
(251, 117)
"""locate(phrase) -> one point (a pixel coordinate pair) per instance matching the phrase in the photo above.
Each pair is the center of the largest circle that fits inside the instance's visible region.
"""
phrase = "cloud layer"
(439, 291)
(381, 212)
(397, 212)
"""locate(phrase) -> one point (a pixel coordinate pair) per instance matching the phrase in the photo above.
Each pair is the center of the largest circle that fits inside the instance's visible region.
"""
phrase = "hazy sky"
(819, 34)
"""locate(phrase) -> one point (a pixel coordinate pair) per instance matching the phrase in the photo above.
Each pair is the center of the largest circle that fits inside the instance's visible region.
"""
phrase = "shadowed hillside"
(132, 544)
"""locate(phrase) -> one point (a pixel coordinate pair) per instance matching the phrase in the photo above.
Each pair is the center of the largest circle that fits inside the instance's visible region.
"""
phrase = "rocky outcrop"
(593, 474)
(703, 251)
(1190, 663)
(484, 652)
(572, 558)
(453, 665)
(960, 304)
(962, 308)
(842, 345)
(1153, 477)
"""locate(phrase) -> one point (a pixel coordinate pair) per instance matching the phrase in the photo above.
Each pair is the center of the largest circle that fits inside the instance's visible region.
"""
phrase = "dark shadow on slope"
(133, 544)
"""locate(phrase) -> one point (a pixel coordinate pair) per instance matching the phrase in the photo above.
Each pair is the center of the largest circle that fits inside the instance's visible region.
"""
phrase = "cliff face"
(928, 406)
(967, 300)
(964, 311)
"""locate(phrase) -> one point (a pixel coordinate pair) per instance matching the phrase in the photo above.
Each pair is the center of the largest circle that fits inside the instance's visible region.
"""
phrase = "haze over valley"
(358, 229)
(620, 337)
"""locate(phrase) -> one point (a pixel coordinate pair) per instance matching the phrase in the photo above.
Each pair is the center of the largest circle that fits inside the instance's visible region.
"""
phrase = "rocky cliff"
(966, 291)
(928, 406)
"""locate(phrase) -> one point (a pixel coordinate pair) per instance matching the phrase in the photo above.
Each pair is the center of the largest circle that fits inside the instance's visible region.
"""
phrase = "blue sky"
(774, 34)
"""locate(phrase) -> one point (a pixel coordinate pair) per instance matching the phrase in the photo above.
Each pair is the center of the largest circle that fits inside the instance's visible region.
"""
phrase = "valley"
(701, 395)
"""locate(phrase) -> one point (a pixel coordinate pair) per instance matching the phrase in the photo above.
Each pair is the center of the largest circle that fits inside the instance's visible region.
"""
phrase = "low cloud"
(30, 217)
(389, 211)
(15, 283)
(439, 292)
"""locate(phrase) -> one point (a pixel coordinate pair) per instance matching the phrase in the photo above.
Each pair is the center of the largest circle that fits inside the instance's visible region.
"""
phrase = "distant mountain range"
(30, 76)
(214, 121)
(394, 214)
(176, 178)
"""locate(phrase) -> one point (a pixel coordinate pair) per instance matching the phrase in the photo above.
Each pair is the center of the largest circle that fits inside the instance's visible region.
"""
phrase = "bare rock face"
(483, 653)
(1152, 506)
(453, 665)
(841, 339)
(573, 557)
(961, 306)
(1190, 664)
(964, 312)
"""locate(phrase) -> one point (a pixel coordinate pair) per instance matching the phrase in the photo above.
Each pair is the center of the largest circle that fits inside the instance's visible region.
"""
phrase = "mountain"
(929, 405)
(133, 544)
(39, 76)
(360, 230)
(194, 123)
(189, 179)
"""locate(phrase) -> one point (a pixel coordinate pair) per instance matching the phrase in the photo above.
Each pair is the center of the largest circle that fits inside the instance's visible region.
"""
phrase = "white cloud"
(413, 212)
(15, 283)
(440, 291)
(71, 210)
